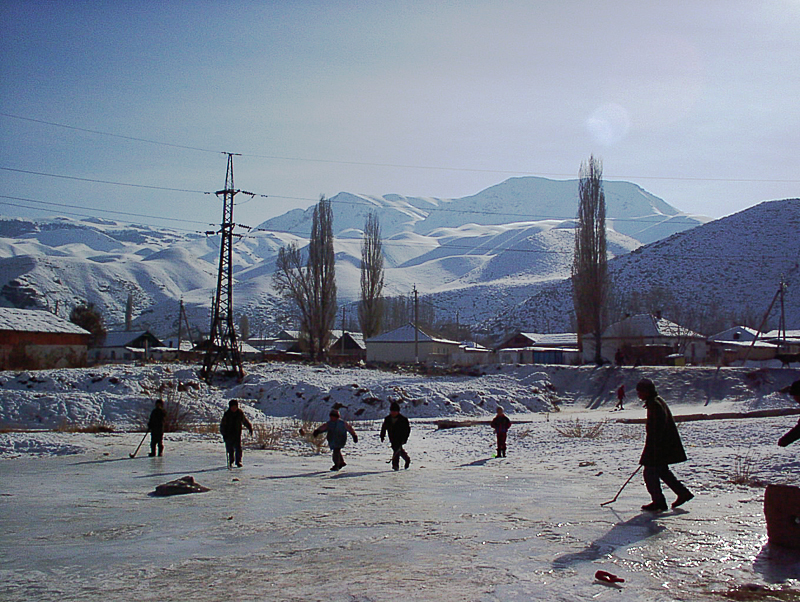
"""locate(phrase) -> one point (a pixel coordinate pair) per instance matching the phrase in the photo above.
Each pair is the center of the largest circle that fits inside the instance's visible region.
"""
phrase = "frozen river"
(458, 525)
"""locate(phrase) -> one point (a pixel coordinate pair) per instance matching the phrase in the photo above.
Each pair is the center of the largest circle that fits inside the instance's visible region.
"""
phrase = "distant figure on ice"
(337, 437)
(399, 429)
(156, 427)
(231, 428)
(620, 397)
(794, 434)
(662, 447)
(500, 423)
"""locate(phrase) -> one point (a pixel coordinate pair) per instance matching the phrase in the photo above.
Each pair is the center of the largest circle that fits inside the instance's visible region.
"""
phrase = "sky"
(124, 110)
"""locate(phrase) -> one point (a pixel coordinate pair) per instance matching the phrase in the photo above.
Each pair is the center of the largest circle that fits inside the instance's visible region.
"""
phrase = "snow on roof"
(125, 337)
(405, 334)
(777, 334)
(36, 320)
(737, 333)
(648, 325)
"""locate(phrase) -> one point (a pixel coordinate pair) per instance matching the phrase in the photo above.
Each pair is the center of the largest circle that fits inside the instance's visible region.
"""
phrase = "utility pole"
(344, 324)
(416, 325)
(222, 344)
(183, 319)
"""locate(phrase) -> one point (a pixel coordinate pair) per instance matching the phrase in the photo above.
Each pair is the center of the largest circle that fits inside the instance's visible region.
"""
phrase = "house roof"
(356, 337)
(405, 334)
(553, 339)
(36, 320)
(791, 335)
(648, 325)
(126, 337)
(737, 333)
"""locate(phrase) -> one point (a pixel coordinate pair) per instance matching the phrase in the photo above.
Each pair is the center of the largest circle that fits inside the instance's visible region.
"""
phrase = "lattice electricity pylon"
(223, 348)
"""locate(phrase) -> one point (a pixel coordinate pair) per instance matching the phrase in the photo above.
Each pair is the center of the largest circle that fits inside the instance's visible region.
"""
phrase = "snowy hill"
(727, 267)
(478, 255)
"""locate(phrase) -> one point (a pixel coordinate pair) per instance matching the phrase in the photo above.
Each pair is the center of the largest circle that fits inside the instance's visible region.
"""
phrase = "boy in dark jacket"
(794, 434)
(156, 427)
(662, 447)
(399, 429)
(500, 423)
(231, 428)
(337, 437)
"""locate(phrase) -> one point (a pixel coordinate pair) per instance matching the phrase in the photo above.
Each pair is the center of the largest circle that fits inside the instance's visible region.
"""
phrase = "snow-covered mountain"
(481, 256)
(731, 267)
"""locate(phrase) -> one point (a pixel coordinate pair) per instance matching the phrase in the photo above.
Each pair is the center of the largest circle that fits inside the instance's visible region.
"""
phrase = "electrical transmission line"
(223, 348)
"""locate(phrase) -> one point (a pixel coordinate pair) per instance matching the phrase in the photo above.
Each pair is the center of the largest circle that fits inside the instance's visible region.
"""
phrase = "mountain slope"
(727, 268)
(483, 254)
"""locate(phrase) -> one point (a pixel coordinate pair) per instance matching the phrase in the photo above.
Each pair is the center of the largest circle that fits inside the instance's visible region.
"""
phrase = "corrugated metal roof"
(36, 320)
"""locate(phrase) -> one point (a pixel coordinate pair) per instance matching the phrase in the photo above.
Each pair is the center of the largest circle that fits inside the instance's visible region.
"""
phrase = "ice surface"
(77, 521)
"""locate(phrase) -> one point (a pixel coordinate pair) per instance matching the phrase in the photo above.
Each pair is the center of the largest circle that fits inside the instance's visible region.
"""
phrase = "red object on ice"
(608, 577)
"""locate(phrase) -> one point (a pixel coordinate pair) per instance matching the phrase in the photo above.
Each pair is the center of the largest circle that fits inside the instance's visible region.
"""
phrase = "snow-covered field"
(77, 523)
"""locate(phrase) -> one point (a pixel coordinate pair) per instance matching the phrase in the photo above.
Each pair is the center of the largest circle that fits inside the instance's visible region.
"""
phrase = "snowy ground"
(77, 523)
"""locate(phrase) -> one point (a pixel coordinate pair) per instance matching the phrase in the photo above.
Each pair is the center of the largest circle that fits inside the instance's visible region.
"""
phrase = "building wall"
(41, 351)
(403, 352)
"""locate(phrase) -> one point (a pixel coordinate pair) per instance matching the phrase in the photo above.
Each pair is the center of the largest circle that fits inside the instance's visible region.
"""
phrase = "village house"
(648, 339)
(36, 339)
(409, 344)
(535, 348)
(738, 344)
(126, 346)
(347, 346)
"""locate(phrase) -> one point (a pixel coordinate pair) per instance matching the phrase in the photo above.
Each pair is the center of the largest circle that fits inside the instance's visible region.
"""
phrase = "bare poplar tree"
(312, 287)
(590, 282)
(370, 309)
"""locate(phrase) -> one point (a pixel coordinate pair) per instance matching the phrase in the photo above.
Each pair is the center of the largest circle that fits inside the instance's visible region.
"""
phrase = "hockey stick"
(623, 487)
(136, 451)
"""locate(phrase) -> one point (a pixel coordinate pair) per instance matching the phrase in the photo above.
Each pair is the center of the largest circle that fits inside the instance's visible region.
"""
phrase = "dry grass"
(267, 436)
(744, 467)
(579, 430)
(204, 428)
(100, 426)
(306, 431)
(173, 393)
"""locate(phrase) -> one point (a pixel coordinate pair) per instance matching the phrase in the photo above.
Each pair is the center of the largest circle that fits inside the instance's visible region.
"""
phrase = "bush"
(744, 466)
(576, 429)
(267, 436)
(172, 393)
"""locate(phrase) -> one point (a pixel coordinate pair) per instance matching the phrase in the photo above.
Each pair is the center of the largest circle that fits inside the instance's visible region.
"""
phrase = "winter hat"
(395, 407)
(647, 387)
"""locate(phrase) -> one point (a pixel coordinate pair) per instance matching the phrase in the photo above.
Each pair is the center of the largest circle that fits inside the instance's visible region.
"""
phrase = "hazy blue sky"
(696, 101)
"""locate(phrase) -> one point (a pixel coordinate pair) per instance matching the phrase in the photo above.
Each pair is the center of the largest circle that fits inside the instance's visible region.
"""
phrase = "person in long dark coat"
(156, 427)
(399, 429)
(231, 428)
(662, 447)
(794, 434)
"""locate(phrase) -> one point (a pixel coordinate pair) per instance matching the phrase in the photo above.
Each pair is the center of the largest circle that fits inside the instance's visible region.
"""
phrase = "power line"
(51, 175)
(438, 208)
(101, 133)
(399, 165)
(16, 198)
